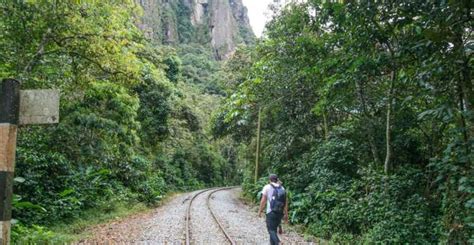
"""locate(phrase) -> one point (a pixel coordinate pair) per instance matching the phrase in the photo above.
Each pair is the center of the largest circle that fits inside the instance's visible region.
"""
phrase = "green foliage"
(154, 109)
(185, 28)
(252, 190)
(35, 234)
(199, 67)
(174, 68)
(367, 114)
(367, 117)
(131, 130)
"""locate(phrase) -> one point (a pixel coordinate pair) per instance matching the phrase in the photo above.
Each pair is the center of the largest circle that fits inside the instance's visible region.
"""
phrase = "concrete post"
(9, 116)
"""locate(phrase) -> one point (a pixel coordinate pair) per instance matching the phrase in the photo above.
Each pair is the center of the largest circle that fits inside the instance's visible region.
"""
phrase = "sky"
(258, 14)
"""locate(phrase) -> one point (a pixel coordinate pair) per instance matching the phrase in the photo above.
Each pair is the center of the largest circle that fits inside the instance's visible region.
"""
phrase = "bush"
(342, 201)
(33, 235)
(152, 189)
(375, 209)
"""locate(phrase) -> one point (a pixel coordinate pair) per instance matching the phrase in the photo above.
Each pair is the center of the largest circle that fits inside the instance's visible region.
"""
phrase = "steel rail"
(188, 214)
(229, 238)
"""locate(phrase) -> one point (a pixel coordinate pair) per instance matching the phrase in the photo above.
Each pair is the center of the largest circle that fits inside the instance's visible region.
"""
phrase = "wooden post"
(257, 152)
(9, 116)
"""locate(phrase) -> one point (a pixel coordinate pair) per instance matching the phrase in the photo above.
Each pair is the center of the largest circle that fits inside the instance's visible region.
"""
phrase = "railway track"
(219, 223)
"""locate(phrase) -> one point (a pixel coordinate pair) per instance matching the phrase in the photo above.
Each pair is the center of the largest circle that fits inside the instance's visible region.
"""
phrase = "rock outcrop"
(199, 10)
(221, 24)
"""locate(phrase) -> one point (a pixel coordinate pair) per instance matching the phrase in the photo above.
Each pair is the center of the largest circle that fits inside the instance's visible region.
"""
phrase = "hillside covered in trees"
(365, 112)
(135, 104)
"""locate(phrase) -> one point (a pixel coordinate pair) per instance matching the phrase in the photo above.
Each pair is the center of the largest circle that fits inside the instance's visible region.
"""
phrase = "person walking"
(275, 200)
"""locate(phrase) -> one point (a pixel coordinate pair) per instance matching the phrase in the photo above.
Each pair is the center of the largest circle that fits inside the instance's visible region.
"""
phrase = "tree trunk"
(326, 128)
(466, 69)
(388, 130)
(257, 151)
(464, 91)
(368, 124)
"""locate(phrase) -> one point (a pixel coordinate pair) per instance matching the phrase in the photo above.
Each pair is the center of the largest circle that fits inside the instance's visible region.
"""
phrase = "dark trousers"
(273, 221)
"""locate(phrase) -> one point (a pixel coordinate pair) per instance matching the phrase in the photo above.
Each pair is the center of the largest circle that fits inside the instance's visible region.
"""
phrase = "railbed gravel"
(163, 225)
(204, 230)
(166, 224)
(243, 224)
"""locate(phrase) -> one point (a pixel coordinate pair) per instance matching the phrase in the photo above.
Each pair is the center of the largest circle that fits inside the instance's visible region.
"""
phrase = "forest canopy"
(131, 127)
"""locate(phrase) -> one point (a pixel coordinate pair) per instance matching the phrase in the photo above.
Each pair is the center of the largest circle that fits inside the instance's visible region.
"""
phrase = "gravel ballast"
(166, 224)
(242, 222)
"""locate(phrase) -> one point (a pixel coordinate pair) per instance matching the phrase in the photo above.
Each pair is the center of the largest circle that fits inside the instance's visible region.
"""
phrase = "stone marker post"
(9, 118)
(18, 108)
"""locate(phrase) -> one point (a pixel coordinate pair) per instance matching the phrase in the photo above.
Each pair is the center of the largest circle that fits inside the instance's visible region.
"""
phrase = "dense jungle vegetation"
(134, 114)
(366, 115)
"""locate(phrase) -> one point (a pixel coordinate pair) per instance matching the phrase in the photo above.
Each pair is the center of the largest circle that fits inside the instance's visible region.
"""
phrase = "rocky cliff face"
(199, 10)
(221, 24)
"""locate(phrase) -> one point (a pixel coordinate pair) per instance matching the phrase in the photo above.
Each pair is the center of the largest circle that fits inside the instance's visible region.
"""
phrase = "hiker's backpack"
(278, 201)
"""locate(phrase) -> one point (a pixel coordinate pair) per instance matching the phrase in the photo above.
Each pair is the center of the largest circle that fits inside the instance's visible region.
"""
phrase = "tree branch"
(39, 52)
